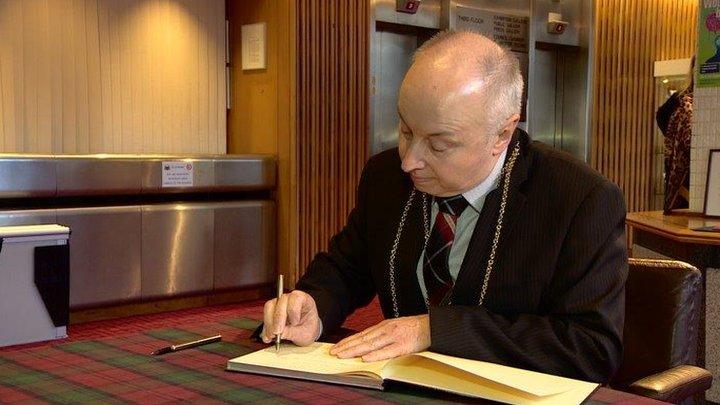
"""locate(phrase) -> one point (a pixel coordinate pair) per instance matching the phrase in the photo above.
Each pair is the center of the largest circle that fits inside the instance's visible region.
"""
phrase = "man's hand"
(294, 316)
(390, 338)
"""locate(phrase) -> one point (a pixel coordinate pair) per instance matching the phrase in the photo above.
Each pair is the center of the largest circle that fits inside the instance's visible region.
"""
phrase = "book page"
(532, 382)
(486, 380)
(315, 358)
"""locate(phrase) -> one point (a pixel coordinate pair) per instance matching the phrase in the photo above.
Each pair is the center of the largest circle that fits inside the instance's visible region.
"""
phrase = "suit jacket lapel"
(472, 271)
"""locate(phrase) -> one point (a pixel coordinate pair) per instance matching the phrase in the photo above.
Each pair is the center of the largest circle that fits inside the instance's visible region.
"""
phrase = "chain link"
(393, 252)
(498, 227)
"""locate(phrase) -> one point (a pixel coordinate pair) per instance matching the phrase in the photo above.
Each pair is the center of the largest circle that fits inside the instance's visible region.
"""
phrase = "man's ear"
(505, 134)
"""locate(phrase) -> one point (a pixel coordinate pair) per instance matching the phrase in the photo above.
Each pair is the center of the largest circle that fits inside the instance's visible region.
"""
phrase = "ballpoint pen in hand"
(279, 294)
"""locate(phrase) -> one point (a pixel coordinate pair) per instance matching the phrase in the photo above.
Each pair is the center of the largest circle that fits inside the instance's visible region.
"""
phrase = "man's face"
(446, 142)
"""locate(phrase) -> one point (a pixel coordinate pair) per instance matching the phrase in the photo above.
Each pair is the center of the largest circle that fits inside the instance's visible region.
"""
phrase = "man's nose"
(412, 159)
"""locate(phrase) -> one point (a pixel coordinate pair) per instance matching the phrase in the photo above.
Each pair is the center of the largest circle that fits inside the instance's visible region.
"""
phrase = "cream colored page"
(315, 358)
(426, 372)
(534, 383)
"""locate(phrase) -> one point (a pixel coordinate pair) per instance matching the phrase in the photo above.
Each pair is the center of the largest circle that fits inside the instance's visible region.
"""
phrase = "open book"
(470, 378)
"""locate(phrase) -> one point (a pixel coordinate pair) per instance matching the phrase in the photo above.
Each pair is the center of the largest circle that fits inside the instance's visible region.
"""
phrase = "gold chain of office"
(506, 172)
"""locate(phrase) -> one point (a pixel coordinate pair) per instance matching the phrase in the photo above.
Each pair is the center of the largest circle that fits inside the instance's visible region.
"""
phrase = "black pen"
(182, 346)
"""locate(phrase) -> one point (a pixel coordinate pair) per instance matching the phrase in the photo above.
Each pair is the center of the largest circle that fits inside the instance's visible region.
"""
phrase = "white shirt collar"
(476, 196)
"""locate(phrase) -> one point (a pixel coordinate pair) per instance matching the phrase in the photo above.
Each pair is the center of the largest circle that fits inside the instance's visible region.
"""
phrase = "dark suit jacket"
(555, 300)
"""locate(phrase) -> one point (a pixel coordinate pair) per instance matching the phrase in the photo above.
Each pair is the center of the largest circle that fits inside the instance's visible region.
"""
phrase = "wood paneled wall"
(263, 114)
(629, 36)
(121, 76)
(332, 116)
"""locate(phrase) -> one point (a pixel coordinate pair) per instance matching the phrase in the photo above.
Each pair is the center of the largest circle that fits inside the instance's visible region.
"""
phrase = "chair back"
(662, 314)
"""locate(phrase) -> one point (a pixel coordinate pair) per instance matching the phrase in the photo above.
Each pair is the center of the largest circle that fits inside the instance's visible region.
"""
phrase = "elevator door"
(558, 98)
(395, 52)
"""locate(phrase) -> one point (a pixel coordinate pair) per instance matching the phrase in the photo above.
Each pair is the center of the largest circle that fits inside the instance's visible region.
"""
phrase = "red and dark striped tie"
(436, 273)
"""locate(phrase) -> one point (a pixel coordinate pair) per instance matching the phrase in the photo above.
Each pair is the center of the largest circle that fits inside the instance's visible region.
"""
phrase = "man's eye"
(437, 147)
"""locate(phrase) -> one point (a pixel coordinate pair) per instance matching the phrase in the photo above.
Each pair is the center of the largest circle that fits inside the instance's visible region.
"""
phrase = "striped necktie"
(436, 272)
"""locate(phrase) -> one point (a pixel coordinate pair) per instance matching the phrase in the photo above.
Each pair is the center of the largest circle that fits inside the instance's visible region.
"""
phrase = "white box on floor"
(34, 283)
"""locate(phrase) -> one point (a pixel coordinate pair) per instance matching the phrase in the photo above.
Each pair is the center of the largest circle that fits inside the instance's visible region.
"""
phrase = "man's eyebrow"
(402, 120)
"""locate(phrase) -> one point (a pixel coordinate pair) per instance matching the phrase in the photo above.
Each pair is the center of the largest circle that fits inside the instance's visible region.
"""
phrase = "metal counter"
(158, 245)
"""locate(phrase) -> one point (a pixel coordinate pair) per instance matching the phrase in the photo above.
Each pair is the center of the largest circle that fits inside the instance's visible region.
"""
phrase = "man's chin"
(425, 187)
(433, 189)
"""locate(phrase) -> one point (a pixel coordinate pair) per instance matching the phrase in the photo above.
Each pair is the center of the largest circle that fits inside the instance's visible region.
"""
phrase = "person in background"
(674, 118)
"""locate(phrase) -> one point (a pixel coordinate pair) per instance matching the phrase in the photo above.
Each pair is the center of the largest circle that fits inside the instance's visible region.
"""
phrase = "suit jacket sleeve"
(580, 335)
(339, 280)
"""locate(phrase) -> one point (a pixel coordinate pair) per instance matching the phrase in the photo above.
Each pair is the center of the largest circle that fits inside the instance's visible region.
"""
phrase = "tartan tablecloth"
(109, 362)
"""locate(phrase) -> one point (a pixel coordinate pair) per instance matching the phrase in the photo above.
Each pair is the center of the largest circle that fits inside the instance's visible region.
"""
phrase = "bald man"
(479, 242)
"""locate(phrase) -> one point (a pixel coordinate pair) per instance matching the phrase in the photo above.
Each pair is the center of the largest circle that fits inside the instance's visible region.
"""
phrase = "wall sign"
(253, 46)
(177, 174)
(708, 58)
(508, 30)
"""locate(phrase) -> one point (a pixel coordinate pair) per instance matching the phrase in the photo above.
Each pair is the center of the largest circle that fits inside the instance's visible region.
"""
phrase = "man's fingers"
(268, 320)
(388, 352)
(343, 343)
(358, 337)
(364, 347)
(300, 335)
(280, 315)
(294, 308)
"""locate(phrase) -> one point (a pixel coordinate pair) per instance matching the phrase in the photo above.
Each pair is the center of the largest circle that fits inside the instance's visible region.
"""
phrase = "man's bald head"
(466, 63)
(459, 105)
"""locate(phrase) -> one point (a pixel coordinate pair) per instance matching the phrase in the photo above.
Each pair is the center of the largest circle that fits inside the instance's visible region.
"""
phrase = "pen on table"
(182, 346)
(279, 294)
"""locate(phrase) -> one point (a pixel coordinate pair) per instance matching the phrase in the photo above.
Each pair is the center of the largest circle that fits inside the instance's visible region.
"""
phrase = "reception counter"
(677, 228)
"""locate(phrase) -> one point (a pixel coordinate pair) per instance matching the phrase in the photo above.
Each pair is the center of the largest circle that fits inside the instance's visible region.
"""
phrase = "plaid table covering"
(109, 362)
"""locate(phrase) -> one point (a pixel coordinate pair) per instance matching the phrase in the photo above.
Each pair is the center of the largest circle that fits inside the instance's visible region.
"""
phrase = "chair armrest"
(673, 385)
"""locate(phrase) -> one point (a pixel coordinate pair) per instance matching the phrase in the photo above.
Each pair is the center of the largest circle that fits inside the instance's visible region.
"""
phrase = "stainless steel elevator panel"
(542, 111)
(203, 176)
(104, 254)
(572, 11)
(78, 176)
(248, 173)
(28, 217)
(559, 85)
(244, 243)
(428, 14)
(23, 177)
(177, 249)
(395, 52)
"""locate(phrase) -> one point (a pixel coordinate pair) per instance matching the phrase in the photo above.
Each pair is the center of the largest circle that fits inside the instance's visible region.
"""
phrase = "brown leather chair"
(662, 318)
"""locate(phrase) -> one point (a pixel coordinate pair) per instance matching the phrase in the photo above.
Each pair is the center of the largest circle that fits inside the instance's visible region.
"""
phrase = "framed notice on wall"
(712, 186)
(253, 46)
